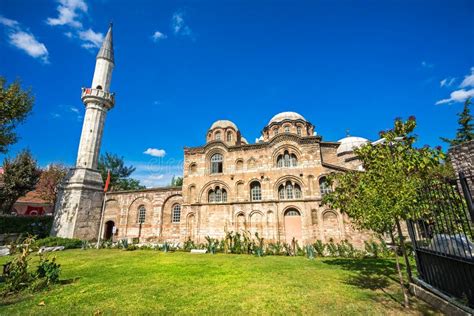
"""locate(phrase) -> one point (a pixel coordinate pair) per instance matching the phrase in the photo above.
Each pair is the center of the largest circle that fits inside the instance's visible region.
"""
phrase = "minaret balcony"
(98, 95)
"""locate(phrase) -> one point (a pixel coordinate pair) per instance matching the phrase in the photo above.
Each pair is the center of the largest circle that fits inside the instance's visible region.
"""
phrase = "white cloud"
(24, 40)
(157, 172)
(29, 44)
(462, 94)
(74, 109)
(178, 24)
(8, 22)
(68, 13)
(468, 80)
(158, 36)
(425, 64)
(91, 38)
(458, 96)
(447, 82)
(155, 152)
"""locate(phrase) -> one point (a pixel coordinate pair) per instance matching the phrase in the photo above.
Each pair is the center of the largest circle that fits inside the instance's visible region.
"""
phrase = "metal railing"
(443, 237)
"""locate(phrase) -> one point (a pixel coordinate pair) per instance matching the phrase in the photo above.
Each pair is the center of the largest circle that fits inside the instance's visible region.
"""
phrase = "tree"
(15, 105)
(176, 181)
(20, 176)
(465, 131)
(119, 173)
(50, 181)
(385, 193)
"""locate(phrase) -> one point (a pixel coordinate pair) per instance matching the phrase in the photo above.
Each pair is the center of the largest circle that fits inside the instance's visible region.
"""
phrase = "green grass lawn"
(149, 282)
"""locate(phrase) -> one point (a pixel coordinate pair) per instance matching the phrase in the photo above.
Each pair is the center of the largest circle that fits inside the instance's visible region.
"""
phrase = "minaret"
(79, 204)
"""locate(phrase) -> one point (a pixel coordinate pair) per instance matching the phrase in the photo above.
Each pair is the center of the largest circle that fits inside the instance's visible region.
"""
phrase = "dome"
(350, 143)
(286, 116)
(243, 140)
(224, 124)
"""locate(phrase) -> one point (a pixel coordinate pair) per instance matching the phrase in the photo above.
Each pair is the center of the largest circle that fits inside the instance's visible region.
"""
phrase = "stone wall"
(462, 157)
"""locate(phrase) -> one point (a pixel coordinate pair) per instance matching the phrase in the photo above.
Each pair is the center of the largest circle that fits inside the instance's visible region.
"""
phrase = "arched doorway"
(109, 230)
(292, 225)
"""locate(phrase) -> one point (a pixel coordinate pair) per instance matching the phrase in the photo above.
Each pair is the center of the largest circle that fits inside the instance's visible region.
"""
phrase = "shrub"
(17, 276)
(319, 247)
(68, 243)
(372, 248)
(332, 248)
(188, 245)
(49, 270)
(310, 252)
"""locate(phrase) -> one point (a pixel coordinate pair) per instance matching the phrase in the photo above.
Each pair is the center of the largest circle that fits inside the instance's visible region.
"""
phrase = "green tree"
(15, 105)
(465, 131)
(176, 181)
(385, 193)
(20, 176)
(50, 181)
(119, 173)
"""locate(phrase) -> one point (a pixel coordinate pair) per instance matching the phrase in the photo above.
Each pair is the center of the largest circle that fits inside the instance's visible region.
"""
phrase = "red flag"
(107, 182)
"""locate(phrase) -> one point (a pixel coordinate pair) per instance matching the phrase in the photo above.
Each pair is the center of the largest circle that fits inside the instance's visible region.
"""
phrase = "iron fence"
(443, 237)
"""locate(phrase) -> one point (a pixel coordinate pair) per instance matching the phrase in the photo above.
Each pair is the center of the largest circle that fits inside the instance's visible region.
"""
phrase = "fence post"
(467, 194)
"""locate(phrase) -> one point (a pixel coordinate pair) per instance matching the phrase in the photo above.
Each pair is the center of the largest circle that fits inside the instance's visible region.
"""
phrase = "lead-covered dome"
(224, 124)
(286, 116)
(348, 144)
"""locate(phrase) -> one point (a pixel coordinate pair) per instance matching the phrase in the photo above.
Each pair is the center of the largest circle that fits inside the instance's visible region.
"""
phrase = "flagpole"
(101, 220)
(106, 188)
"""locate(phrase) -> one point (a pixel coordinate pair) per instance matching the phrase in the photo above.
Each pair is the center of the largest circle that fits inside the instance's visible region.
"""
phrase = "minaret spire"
(107, 49)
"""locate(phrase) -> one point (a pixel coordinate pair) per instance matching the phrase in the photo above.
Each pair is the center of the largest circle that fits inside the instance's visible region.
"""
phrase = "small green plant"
(332, 248)
(48, 269)
(319, 248)
(122, 244)
(131, 247)
(372, 249)
(259, 246)
(212, 245)
(310, 252)
(188, 245)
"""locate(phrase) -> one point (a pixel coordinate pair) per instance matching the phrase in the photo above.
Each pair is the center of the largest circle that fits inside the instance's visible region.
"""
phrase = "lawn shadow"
(25, 294)
(371, 274)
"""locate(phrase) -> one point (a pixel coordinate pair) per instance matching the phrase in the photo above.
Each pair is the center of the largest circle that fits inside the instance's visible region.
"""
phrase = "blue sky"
(180, 65)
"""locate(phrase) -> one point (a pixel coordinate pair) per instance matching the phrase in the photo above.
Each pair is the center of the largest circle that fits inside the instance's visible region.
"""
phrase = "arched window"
(298, 130)
(217, 136)
(324, 186)
(289, 191)
(193, 168)
(292, 212)
(287, 129)
(176, 215)
(217, 196)
(255, 191)
(286, 160)
(141, 214)
(229, 136)
(275, 131)
(216, 163)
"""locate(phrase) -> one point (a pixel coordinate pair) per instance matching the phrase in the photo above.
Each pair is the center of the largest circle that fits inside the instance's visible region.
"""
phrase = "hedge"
(68, 243)
(39, 226)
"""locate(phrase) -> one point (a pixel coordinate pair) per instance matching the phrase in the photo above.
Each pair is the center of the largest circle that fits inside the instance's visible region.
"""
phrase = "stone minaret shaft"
(97, 100)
